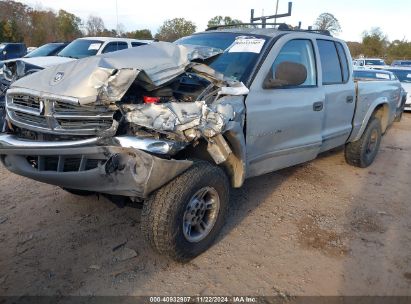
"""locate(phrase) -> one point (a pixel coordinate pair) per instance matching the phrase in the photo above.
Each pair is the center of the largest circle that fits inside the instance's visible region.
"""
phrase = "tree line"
(374, 43)
(35, 26)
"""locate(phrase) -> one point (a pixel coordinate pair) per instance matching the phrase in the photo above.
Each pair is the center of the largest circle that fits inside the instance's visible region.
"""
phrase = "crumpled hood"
(108, 77)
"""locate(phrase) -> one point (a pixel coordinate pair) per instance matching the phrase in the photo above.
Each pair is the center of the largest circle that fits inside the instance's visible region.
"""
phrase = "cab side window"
(299, 51)
(344, 61)
(115, 46)
(330, 62)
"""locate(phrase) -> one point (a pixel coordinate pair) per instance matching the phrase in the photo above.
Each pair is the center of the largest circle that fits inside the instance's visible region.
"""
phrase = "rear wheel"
(183, 218)
(361, 153)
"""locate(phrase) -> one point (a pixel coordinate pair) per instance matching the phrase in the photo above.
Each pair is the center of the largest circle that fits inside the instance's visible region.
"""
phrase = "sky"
(355, 16)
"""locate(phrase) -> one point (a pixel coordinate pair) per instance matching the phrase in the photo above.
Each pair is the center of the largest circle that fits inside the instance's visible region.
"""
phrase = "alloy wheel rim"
(201, 214)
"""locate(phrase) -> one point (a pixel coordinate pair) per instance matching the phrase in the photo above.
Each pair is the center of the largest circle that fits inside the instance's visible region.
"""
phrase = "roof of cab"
(115, 39)
(269, 32)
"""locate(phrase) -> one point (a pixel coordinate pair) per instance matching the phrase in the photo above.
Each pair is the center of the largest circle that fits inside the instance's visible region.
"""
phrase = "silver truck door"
(339, 92)
(284, 124)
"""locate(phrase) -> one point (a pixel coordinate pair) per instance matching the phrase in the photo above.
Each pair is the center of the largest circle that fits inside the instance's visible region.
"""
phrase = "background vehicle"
(49, 49)
(406, 63)
(371, 74)
(404, 76)
(90, 46)
(175, 128)
(371, 63)
(31, 49)
(12, 50)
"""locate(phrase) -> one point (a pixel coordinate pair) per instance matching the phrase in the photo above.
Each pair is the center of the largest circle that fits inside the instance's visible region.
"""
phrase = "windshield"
(2, 46)
(81, 48)
(374, 62)
(402, 75)
(240, 55)
(45, 50)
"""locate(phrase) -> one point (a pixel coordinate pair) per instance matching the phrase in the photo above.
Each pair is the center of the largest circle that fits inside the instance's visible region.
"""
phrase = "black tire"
(361, 153)
(78, 192)
(398, 117)
(164, 212)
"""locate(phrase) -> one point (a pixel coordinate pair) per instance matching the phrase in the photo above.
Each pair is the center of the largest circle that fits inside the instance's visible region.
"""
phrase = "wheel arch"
(379, 109)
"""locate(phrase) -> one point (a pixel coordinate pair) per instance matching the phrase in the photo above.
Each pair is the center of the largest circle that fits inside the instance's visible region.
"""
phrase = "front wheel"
(361, 153)
(183, 218)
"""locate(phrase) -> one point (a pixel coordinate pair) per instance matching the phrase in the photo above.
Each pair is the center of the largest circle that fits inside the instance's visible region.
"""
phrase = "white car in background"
(83, 47)
(370, 63)
(404, 76)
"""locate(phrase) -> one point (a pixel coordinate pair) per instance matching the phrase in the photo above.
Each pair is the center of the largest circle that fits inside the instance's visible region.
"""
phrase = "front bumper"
(115, 167)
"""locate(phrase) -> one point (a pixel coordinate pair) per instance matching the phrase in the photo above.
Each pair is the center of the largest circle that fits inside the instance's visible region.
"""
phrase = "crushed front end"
(124, 123)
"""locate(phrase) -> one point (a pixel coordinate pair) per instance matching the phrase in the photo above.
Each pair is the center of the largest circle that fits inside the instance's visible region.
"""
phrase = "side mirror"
(286, 74)
(4, 53)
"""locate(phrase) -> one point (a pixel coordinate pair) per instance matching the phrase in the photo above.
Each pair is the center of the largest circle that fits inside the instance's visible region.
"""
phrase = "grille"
(32, 119)
(27, 101)
(63, 164)
(54, 116)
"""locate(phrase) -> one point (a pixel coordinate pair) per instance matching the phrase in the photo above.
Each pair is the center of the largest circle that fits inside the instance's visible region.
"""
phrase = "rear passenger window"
(330, 62)
(115, 46)
(135, 44)
(343, 60)
(299, 51)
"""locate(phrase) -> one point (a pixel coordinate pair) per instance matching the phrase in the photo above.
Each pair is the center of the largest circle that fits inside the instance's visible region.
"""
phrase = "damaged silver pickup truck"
(175, 125)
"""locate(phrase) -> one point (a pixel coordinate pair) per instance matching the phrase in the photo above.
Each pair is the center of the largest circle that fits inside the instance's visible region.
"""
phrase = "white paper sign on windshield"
(247, 45)
(383, 76)
(94, 46)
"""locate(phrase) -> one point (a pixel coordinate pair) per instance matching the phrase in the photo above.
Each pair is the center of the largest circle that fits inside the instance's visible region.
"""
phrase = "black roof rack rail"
(281, 26)
(322, 32)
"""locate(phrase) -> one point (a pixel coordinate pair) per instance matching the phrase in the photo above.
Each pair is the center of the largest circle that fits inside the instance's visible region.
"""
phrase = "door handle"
(318, 106)
(350, 99)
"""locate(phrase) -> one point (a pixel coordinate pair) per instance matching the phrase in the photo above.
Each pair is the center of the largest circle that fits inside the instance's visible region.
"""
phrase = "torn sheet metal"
(209, 120)
(179, 117)
(107, 77)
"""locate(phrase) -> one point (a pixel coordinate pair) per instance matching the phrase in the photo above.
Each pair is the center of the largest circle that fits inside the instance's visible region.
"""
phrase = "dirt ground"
(321, 228)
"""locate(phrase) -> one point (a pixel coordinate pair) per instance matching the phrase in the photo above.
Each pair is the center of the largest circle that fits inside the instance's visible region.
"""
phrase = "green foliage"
(220, 20)
(174, 29)
(68, 26)
(140, 34)
(44, 27)
(399, 50)
(374, 43)
(355, 48)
